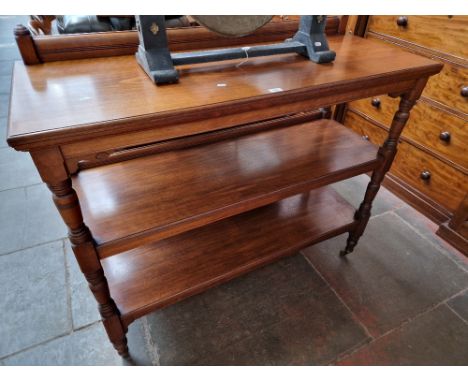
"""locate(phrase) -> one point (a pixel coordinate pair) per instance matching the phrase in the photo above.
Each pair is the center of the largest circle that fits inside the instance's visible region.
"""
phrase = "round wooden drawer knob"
(402, 21)
(425, 175)
(464, 91)
(445, 136)
(375, 102)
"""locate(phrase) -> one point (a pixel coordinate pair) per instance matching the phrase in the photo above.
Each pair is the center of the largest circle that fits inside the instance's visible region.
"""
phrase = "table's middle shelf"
(132, 203)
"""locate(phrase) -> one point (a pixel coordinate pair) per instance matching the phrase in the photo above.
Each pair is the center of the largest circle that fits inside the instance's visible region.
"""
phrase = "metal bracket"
(154, 56)
(311, 34)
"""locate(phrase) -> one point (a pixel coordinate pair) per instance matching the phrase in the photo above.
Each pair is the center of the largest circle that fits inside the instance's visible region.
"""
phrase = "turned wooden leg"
(66, 200)
(386, 154)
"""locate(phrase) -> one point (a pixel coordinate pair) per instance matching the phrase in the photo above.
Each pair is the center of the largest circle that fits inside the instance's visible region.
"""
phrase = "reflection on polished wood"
(128, 203)
(94, 96)
(195, 197)
(162, 273)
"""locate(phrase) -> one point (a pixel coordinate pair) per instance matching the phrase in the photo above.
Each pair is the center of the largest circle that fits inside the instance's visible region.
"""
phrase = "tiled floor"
(400, 298)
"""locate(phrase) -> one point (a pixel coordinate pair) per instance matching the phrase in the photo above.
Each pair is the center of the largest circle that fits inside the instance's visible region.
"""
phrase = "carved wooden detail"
(386, 155)
(51, 168)
(26, 45)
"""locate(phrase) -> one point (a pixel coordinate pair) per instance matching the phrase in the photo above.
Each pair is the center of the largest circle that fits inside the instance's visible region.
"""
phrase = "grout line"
(438, 247)
(24, 220)
(366, 331)
(456, 313)
(68, 286)
(351, 350)
(19, 187)
(33, 246)
(406, 322)
(47, 341)
(151, 347)
(379, 215)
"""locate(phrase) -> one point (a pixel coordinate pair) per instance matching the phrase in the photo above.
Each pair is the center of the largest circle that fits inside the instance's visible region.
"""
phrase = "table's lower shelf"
(156, 275)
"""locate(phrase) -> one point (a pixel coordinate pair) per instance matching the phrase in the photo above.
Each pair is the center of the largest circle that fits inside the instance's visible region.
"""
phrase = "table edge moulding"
(149, 178)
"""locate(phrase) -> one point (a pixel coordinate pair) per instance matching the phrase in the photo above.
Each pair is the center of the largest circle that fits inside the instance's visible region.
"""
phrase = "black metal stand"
(154, 56)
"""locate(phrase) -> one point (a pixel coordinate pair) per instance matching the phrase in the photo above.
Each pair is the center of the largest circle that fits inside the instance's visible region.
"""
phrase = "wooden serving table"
(170, 190)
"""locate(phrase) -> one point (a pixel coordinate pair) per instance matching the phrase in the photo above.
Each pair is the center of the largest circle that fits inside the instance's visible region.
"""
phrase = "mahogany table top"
(91, 93)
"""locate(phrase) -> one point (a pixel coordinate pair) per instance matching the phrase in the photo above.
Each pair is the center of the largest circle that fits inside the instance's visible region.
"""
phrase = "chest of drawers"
(431, 167)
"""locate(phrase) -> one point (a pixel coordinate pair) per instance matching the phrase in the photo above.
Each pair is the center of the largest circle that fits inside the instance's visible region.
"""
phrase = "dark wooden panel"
(445, 87)
(162, 273)
(128, 203)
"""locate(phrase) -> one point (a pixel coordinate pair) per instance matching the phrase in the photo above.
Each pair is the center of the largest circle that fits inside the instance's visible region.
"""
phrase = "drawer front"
(445, 34)
(445, 87)
(437, 130)
(445, 185)
(364, 128)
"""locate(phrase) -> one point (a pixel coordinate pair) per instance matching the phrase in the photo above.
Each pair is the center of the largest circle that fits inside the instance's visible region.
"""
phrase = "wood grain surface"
(90, 95)
(134, 202)
(162, 273)
(442, 33)
(446, 86)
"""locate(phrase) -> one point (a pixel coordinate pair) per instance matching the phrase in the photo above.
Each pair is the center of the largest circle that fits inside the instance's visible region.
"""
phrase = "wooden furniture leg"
(52, 170)
(386, 154)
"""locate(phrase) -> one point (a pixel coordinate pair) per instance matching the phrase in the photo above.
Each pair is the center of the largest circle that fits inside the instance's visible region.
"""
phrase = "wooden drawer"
(446, 185)
(425, 125)
(446, 86)
(445, 34)
(366, 129)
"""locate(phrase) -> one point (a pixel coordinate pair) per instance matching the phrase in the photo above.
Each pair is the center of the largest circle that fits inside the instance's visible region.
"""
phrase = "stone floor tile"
(6, 68)
(6, 36)
(428, 229)
(138, 344)
(88, 346)
(9, 52)
(17, 170)
(460, 305)
(34, 302)
(29, 218)
(4, 103)
(5, 84)
(3, 133)
(84, 306)
(281, 314)
(13, 219)
(392, 275)
(184, 332)
(353, 191)
(437, 337)
(43, 221)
